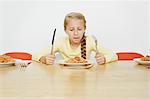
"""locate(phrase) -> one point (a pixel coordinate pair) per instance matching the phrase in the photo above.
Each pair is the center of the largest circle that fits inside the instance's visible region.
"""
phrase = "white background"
(119, 25)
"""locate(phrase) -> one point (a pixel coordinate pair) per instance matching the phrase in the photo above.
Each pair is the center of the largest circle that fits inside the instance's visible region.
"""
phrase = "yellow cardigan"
(63, 47)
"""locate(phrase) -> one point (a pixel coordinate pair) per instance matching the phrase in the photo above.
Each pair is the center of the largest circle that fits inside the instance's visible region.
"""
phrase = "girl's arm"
(108, 55)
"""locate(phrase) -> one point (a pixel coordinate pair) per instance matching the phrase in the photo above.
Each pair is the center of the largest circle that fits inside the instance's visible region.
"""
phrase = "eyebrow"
(71, 27)
(77, 27)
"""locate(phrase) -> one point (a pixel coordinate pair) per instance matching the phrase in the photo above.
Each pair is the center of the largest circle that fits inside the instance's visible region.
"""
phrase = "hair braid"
(83, 47)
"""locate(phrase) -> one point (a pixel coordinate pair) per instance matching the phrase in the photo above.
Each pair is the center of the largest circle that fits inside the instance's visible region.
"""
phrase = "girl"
(76, 44)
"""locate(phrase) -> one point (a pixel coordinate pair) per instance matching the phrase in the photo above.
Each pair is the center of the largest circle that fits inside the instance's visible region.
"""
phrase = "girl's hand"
(100, 59)
(49, 59)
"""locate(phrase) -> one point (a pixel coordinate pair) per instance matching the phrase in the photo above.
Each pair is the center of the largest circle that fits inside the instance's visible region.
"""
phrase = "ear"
(66, 32)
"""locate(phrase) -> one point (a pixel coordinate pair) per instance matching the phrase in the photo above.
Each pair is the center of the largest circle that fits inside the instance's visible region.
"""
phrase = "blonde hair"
(74, 15)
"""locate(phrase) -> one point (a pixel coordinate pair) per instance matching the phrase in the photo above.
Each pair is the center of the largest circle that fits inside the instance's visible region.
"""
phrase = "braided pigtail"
(83, 47)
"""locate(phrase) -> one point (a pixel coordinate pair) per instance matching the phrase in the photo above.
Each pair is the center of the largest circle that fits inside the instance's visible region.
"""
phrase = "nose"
(75, 32)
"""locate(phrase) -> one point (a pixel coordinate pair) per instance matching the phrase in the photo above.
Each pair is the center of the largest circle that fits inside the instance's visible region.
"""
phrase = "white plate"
(17, 62)
(89, 64)
(8, 63)
(139, 61)
(62, 62)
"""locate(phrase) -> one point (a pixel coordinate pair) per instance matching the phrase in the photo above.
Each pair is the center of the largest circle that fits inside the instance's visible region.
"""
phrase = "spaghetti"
(76, 60)
(5, 59)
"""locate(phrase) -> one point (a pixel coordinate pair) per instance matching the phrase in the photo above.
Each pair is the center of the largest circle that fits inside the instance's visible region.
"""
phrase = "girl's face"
(75, 30)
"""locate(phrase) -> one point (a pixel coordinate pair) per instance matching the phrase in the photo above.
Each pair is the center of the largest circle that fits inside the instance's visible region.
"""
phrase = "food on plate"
(76, 60)
(5, 59)
(146, 58)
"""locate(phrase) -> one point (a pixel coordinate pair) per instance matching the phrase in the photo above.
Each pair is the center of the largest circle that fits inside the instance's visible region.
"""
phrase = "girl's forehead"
(75, 21)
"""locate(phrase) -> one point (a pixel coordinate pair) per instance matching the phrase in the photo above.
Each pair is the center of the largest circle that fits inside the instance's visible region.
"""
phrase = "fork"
(22, 63)
(95, 39)
(25, 64)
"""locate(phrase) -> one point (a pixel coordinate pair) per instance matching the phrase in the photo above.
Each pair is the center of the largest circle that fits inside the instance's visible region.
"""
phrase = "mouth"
(76, 37)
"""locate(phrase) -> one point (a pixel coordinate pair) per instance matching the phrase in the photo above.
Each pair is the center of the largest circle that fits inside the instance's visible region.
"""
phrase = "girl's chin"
(76, 41)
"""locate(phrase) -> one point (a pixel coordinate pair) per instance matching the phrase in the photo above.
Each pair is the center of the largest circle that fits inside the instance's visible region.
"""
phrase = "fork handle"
(52, 50)
(96, 47)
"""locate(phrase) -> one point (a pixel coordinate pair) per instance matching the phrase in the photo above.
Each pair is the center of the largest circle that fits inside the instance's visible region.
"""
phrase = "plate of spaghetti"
(76, 61)
(143, 60)
(6, 60)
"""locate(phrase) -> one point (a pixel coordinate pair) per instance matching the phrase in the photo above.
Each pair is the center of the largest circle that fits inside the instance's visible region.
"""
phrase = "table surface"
(116, 80)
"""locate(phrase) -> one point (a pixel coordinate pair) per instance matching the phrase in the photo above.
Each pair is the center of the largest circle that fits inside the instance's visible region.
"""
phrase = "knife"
(53, 41)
